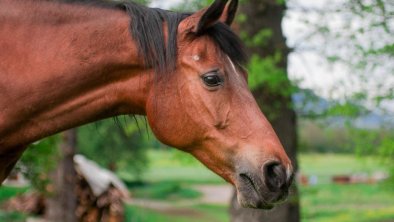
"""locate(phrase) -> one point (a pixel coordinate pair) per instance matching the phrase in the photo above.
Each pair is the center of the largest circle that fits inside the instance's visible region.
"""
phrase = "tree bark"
(276, 105)
(62, 204)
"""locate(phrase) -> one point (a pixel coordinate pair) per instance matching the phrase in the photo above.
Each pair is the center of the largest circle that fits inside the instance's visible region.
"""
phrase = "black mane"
(146, 27)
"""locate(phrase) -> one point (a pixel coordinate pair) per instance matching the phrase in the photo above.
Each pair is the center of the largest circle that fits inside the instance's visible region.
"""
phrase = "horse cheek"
(169, 123)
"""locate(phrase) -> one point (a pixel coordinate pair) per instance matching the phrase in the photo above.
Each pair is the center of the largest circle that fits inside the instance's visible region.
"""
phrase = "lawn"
(347, 203)
(172, 176)
(198, 213)
(325, 202)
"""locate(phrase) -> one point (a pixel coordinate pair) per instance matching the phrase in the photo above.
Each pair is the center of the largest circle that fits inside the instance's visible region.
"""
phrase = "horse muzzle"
(265, 188)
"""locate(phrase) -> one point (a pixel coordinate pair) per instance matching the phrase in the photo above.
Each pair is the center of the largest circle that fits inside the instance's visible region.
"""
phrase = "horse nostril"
(275, 176)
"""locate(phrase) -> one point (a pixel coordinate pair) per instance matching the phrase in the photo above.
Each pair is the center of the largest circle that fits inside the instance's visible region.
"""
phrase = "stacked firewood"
(29, 203)
(108, 207)
(100, 193)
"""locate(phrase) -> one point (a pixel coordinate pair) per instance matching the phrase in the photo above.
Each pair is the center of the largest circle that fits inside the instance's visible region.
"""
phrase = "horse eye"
(212, 80)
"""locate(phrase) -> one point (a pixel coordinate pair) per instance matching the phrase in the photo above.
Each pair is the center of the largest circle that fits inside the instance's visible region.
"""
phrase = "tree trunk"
(62, 204)
(266, 16)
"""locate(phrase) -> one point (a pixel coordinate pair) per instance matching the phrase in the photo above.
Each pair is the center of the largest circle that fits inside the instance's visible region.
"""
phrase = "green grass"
(164, 191)
(12, 217)
(328, 202)
(136, 214)
(216, 212)
(199, 213)
(346, 203)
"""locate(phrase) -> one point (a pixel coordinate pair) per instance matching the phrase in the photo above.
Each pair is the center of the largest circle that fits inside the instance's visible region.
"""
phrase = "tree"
(62, 203)
(355, 36)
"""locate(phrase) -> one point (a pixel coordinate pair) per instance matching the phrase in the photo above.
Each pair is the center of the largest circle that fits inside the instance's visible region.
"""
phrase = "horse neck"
(64, 66)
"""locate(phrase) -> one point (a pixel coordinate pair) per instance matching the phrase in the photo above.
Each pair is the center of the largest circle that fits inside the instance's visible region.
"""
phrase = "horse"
(65, 64)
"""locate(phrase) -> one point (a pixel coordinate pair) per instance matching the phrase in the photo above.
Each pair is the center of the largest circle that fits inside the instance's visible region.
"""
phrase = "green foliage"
(346, 109)
(387, 49)
(281, 2)
(379, 143)
(386, 152)
(192, 5)
(241, 18)
(118, 146)
(8, 192)
(144, 2)
(38, 161)
(364, 141)
(317, 138)
(324, 166)
(183, 158)
(386, 149)
(264, 71)
(260, 39)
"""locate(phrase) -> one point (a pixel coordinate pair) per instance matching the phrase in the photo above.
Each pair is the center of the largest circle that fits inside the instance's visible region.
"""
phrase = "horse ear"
(229, 12)
(203, 19)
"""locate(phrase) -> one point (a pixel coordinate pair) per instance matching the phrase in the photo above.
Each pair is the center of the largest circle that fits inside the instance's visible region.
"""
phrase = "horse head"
(204, 107)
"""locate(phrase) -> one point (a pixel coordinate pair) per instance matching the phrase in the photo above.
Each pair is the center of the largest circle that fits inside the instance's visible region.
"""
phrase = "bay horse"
(63, 65)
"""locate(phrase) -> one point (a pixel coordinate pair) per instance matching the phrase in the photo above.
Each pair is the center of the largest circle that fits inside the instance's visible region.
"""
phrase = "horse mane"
(146, 28)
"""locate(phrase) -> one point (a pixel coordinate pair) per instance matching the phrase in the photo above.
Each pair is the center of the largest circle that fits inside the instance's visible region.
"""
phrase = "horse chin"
(251, 200)
(250, 193)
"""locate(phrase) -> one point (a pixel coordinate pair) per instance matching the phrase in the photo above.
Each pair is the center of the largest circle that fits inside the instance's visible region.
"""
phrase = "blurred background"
(321, 71)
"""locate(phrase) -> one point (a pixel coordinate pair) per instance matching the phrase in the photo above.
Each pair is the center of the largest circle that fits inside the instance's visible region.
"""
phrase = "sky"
(165, 4)
(308, 68)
